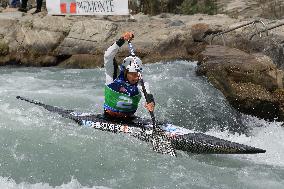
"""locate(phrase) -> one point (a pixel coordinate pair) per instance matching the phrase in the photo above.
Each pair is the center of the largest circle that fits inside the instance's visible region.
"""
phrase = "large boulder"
(82, 61)
(85, 37)
(33, 40)
(248, 81)
(4, 48)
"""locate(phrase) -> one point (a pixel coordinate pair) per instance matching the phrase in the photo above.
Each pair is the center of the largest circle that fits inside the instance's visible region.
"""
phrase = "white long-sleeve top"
(110, 71)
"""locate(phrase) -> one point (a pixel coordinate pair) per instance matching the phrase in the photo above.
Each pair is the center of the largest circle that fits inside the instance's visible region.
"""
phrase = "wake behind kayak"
(181, 138)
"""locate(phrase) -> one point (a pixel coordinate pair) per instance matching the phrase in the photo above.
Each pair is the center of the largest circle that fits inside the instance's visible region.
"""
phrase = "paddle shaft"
(160, 140)
(132, 52)
(148, 101)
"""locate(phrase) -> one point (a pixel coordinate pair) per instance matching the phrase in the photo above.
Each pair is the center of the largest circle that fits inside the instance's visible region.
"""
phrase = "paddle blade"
(162, 144)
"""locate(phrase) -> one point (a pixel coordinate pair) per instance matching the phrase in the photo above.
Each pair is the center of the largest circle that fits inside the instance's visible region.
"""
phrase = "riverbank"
(79, 42)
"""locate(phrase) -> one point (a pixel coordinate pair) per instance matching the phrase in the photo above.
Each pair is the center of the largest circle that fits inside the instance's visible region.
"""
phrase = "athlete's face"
(132, 77)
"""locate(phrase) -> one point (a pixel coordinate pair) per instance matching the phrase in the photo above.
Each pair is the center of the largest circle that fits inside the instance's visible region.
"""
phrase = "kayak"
(180, 138)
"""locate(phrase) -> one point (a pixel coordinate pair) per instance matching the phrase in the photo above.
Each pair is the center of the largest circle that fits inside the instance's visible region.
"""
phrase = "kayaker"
(122, 89)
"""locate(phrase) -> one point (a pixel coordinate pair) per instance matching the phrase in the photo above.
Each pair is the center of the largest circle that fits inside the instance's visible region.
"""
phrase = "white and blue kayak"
(180, 138)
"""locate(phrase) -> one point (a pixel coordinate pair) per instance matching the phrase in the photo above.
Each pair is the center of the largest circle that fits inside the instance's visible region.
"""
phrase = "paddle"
(160, 140)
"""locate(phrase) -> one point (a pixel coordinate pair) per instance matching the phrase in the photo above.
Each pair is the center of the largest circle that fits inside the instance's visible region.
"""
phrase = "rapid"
(42, 150)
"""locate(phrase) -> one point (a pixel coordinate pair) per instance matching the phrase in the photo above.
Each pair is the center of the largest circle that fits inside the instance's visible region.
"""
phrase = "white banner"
(87, 7)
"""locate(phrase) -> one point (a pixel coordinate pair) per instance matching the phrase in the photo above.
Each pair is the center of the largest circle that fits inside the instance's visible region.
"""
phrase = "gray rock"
(85, 37)
(11, 15)
(247, 81)
(52, 23)
(176, 23)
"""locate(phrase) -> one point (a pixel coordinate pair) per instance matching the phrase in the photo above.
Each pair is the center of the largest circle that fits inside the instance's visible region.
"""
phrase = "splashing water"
(41, 150)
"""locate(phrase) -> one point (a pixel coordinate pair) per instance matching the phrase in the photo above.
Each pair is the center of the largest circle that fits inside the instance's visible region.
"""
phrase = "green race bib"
(120, 101)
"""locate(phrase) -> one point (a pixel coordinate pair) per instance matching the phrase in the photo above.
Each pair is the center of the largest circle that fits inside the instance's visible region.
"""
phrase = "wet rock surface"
(250, 82)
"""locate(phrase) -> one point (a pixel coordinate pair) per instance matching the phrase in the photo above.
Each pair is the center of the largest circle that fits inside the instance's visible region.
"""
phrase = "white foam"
(265, 135)
(6, 183)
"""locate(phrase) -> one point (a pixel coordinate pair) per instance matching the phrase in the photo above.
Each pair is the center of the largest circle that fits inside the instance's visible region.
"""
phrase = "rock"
(131, 18)
(85, 37)
(4, 48)
(46, 61)
(4, 60)
(51, 23)
(247, 81)
(11, 15)
(38, 42)
(279, 97)
(241, 66)
(63, 36)
(176, 23)
(198, 32)
(9, 9)
(165, 15)
(4, 3)
(39, 61)
(83, 61)
(255, 100)
(80, 42)
(140, 17)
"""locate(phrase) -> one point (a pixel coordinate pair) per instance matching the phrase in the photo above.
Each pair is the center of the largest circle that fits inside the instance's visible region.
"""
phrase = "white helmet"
(132, 64)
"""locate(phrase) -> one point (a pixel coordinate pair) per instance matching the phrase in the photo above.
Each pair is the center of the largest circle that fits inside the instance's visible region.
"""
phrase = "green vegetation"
(4, 3)
(271, 8)
(154, 7)
(198, 6)
(4, 48)
(266, 8)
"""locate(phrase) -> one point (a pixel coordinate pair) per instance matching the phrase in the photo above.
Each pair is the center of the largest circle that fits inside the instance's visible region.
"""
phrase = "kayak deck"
(181, 138)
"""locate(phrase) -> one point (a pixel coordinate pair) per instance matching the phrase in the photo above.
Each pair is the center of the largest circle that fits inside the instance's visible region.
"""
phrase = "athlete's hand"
(128, 36)
(150, 106)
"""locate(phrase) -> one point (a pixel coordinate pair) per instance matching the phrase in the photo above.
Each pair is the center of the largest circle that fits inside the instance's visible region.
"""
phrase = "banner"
(87, 7)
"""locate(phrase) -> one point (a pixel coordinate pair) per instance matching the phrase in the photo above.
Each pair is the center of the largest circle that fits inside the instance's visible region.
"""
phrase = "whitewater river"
(41, 150)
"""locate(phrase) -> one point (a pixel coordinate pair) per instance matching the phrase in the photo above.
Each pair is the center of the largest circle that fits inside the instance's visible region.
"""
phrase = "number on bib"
(125, 103)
